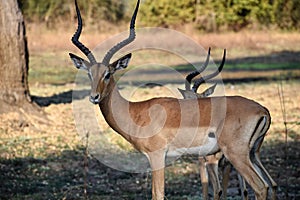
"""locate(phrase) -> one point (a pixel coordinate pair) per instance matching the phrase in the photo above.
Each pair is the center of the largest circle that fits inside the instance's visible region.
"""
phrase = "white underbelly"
(210, 147)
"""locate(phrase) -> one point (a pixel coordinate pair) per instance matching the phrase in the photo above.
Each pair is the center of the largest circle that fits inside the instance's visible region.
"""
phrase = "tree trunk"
(14, 89)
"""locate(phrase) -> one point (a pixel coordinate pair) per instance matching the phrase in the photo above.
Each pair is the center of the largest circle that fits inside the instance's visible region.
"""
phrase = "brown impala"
(208, 165)
(160, 127)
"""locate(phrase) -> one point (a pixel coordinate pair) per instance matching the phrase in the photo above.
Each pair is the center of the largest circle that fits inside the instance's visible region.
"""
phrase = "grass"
(51, 68)
(254, 67)
(263, 66)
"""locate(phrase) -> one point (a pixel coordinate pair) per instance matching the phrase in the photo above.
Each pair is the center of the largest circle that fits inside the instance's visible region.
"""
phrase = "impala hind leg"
(255, 158)
(272, 184)
(245, 167)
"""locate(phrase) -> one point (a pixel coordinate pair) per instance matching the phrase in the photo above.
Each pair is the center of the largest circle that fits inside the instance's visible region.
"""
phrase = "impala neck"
(113, 104)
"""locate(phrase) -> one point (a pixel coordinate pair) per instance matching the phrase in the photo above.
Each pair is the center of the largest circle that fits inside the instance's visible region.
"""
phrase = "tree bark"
(14, 89)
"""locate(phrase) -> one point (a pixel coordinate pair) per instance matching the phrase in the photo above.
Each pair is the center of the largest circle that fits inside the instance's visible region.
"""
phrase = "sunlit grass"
(51, 68)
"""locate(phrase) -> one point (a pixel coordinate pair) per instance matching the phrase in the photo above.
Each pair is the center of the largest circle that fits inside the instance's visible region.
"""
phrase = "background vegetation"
(207, 15)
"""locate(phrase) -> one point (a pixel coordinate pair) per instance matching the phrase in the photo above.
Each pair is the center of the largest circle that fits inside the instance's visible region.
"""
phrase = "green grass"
(247, 66)
(262, 66)
(51, 68)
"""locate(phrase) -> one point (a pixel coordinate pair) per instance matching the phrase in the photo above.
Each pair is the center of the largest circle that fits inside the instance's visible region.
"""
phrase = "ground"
(45, 158)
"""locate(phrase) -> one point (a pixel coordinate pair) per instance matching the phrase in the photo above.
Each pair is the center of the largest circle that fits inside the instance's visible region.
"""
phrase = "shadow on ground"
(273, 58)
(64, 177)
(61, 98)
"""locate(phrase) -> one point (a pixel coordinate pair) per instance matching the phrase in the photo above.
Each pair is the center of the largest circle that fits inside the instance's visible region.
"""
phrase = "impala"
(162, 126)
(208, 165)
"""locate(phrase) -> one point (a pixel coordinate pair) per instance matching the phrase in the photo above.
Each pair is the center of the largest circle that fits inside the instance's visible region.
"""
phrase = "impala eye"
(107, 76)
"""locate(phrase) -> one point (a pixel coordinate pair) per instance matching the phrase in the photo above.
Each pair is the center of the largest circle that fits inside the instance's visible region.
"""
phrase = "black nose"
(95, 99)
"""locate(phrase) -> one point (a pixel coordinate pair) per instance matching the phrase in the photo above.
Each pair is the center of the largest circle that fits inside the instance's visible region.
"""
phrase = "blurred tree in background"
(166, 12)
(207, 15)
(53, 11)
(287, 14)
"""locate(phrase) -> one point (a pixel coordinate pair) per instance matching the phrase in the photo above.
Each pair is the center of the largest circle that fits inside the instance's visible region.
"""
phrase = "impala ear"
(80, 63)
(122, 63)
(187, 94)
(209, 91)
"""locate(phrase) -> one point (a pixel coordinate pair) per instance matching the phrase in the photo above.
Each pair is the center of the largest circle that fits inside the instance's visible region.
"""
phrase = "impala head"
(189, 93)
(100, 73)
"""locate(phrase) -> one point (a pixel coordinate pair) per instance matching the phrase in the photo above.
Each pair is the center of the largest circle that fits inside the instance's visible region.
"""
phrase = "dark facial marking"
(107, 76)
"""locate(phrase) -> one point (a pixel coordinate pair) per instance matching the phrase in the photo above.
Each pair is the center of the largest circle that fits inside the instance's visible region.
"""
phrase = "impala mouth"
(95, 102)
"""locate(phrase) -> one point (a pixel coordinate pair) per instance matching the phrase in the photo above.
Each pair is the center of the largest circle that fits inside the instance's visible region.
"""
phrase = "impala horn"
(125, 42)
(75, 38)
(210, 76)
(193, 74)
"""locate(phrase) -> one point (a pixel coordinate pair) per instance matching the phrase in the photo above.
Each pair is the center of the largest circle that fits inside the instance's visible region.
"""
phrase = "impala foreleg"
(226, 168)
(212, 168)
(158, 187)
(209, 166)
(203, 177)
(157, 163)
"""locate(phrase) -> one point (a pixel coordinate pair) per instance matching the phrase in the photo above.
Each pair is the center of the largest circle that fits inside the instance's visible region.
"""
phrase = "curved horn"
(210, 76)
(190, 77)
(125, 42)
(75, 38)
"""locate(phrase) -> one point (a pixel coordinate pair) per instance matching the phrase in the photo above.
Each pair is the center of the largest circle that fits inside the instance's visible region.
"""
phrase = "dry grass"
(56, 143)
(241, 44)
(257, 43)
(24, 135)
